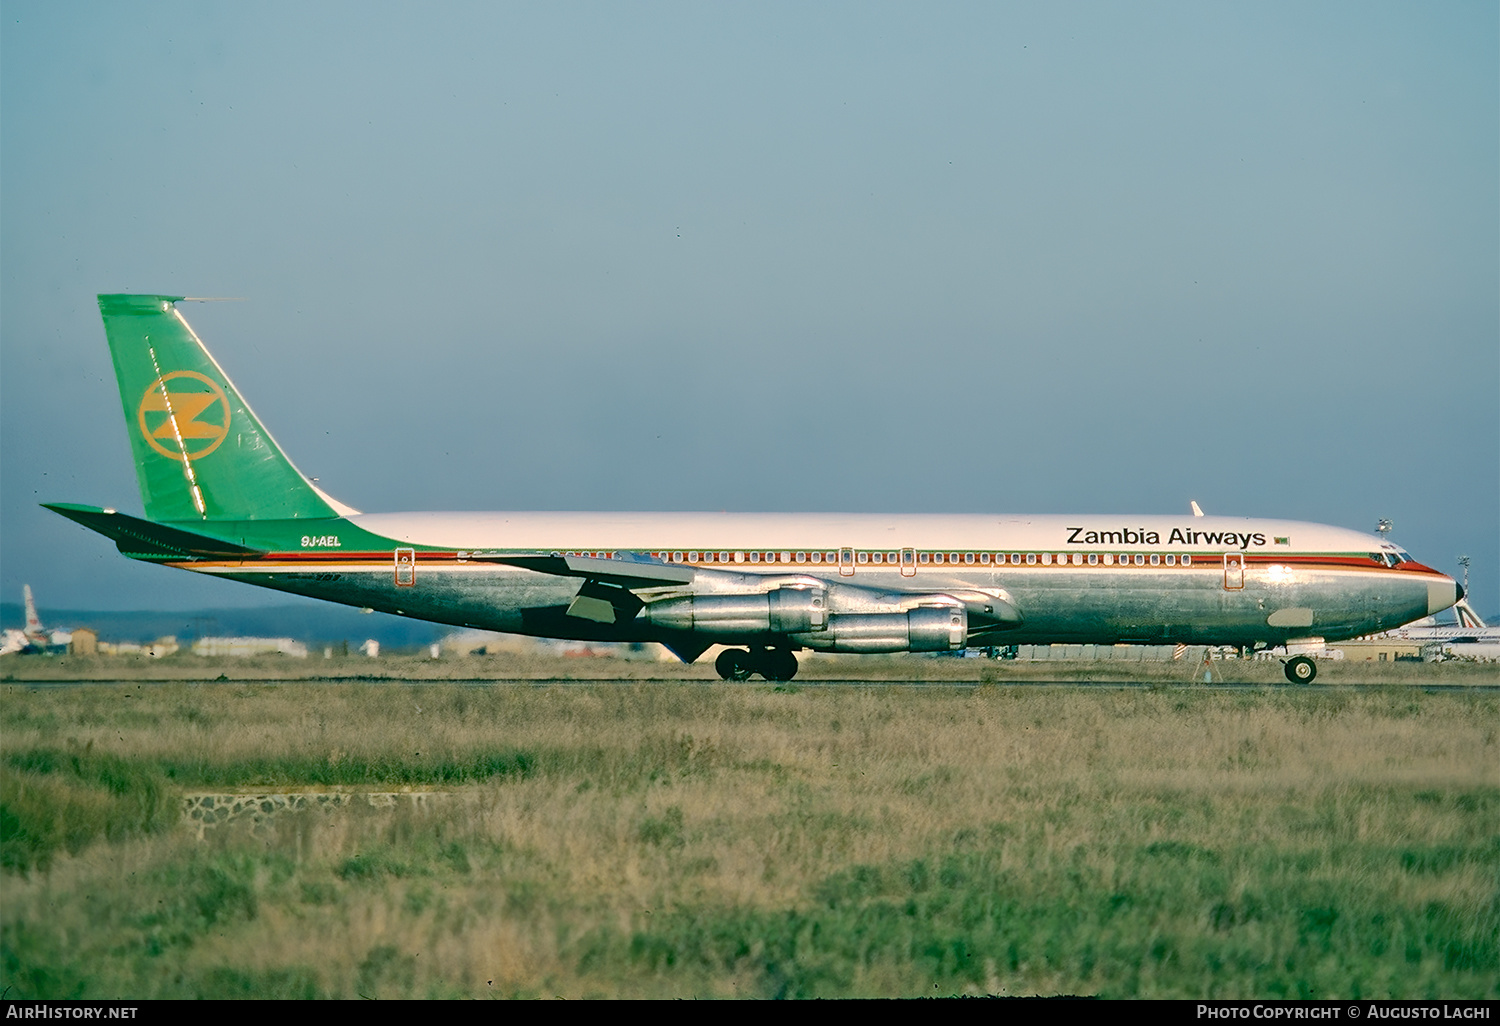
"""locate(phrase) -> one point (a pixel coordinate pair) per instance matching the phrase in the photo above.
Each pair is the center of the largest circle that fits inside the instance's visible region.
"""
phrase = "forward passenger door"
(1234, 571)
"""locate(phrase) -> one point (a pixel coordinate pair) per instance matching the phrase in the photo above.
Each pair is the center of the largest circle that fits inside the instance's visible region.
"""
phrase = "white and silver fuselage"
(1023, 579)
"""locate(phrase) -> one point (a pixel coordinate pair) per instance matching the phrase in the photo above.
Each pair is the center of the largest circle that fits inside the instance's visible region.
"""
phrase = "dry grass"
(681, 839)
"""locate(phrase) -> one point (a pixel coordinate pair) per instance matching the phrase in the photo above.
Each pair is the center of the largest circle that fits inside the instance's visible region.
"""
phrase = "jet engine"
(779, 611)
(924, 629)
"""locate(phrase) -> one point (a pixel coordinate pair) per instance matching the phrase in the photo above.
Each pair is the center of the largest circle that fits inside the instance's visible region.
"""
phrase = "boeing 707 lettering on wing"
(221, 498)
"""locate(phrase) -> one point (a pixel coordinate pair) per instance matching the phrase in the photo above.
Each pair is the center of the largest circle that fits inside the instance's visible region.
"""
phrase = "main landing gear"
(1301, 670)
(771, 663)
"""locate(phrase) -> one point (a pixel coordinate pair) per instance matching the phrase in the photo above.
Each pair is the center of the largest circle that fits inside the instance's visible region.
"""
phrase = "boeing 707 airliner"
(221, 498)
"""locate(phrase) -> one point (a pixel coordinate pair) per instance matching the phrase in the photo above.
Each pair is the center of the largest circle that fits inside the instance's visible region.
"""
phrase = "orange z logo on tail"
(170, 420)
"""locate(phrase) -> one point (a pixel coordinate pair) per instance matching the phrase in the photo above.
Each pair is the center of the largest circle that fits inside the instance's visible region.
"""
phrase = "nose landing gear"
(776, 664)
(1301, 670)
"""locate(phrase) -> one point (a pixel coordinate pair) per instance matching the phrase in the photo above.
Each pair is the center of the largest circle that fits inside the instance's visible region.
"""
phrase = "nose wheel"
(1301, 670)
(776, 664)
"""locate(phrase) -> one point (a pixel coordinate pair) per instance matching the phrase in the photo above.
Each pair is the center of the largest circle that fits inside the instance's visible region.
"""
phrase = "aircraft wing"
(608, 591)
(624, 572)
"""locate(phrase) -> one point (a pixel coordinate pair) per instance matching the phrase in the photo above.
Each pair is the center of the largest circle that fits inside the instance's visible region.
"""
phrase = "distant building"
(85, 642)
(157, 649)
(1191, 654)
(249, 647)
(162, 647)
(1387, 650)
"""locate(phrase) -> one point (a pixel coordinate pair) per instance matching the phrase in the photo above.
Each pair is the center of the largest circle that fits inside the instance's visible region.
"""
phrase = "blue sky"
(947, 258)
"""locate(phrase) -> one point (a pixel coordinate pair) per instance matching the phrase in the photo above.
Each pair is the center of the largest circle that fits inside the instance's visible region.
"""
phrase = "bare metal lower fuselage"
(1060, 604)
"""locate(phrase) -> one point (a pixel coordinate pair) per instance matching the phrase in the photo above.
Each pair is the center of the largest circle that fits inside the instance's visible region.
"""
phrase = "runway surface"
(1427, 687)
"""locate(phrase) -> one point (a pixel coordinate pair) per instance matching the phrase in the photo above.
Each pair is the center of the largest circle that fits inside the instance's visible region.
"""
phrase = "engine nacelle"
(779, 611)
(924, 629)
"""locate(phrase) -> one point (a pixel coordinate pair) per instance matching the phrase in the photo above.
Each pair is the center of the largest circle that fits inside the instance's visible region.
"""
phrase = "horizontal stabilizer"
(142, 539)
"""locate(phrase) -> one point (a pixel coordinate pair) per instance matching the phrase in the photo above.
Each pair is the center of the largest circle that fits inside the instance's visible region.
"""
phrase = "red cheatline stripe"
(1202, 562)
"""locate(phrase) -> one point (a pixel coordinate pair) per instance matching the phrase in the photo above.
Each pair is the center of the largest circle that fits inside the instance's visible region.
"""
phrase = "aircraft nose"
(1442, 594)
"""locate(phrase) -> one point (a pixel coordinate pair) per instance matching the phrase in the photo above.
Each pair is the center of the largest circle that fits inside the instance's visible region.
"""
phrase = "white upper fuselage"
(803, 531)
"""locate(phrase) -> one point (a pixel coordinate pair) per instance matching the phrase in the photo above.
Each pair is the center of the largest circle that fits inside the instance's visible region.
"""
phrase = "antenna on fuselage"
(1197, 510)
(1383, 528)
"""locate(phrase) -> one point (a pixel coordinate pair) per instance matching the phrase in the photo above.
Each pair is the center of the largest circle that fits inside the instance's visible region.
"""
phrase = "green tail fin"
(200, 454)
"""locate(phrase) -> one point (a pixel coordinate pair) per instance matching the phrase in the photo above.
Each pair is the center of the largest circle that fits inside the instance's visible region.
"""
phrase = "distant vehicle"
(221, 498)
(33, 639)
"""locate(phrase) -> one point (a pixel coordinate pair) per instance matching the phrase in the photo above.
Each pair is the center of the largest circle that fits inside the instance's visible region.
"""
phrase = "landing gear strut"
(1301, 670)
(773, 664)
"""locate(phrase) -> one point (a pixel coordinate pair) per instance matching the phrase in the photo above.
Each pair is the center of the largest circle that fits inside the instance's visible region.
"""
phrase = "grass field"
(677, 839)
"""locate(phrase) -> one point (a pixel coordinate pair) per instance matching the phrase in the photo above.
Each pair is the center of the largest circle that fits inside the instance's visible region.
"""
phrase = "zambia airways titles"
(1178, 536)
